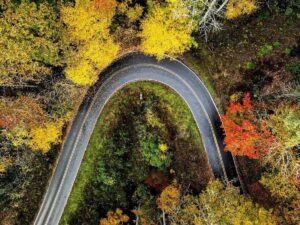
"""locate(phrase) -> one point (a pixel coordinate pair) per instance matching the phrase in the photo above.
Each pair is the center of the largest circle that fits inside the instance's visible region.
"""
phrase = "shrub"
(250, 66)
(294, 69)
(153, 154)
(265, 49)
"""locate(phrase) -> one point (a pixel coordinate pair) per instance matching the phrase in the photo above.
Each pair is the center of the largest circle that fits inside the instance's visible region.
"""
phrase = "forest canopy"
(81, 36)
(246, 52)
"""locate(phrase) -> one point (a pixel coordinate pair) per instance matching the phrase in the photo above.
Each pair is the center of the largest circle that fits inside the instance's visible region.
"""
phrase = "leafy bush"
(265, 49)
(155, 155)
(294, 69)
(250, 66)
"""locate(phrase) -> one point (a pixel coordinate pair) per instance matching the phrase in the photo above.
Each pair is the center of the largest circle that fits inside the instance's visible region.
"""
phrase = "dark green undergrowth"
(125, 166)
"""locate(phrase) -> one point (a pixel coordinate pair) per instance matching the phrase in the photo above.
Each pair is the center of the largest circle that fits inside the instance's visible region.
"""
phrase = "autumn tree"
(29, 42)
(283, 163)
(221, 205)
(245, 136)
(286, 192)
(21, 111)
(208, 15)
(141, 217)
(60, 98)
(285, 127)
(236, 8)
(105, 6)
(91, 47)
(42, 137)
(167, 30)
(168, 200)
(5, 162)
(24, 122)
(115, 218)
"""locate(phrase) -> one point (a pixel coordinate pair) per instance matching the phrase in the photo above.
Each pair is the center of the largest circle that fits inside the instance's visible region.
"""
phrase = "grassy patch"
(202, 67)
(177, 112)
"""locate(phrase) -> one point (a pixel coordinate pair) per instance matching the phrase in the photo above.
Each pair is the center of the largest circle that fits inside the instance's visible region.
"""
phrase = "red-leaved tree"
(245, 135)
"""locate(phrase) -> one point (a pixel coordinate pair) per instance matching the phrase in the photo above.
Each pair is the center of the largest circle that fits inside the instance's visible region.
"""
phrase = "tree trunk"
(164, 218)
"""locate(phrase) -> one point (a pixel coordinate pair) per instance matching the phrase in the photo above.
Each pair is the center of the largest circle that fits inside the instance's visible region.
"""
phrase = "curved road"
(132, 68)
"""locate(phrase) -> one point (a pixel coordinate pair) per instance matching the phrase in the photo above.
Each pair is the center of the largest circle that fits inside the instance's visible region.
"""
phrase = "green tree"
(29, 42)
(285, 124)
(282, 155)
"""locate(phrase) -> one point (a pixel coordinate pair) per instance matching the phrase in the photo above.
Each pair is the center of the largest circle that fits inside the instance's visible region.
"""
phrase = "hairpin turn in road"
(132, 68)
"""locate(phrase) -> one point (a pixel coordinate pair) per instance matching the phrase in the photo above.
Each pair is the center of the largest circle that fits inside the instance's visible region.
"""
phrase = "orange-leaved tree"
(169, 200)
(105, 6)
(245, 135)
(115, 218)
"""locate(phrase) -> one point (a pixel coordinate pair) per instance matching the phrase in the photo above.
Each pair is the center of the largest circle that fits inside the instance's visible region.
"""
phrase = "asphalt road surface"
(132, 68)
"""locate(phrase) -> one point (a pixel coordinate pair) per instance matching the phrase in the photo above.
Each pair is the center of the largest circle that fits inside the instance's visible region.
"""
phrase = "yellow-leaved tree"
(24, 122)
(5, 162)
(41, 138)
(236, 8)
(91, 47)
(221, 205)
(167, 30)
(29, 41)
